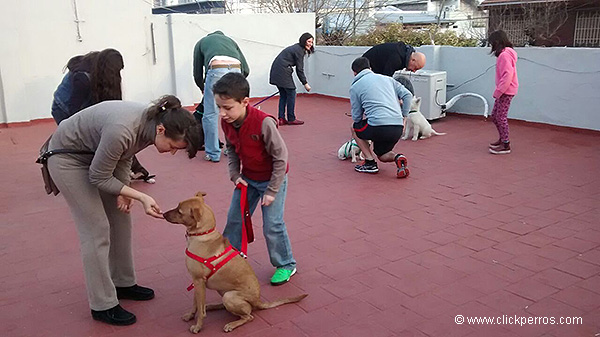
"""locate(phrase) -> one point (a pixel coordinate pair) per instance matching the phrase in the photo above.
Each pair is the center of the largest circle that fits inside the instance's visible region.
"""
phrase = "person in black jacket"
(281, 76)
(386, 58)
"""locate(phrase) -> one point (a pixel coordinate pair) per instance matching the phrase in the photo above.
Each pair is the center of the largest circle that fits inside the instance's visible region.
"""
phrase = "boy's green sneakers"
(282, 276)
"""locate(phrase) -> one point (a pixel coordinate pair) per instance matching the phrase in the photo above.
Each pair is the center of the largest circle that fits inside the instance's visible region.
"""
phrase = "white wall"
(38, 37)
(329, 69)
(557, 86)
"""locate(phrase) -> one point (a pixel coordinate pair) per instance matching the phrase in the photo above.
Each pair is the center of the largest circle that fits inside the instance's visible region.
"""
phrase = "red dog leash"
(247, 232)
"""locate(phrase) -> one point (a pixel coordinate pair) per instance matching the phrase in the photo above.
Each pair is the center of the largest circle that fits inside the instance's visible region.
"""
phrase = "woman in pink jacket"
(507, 86)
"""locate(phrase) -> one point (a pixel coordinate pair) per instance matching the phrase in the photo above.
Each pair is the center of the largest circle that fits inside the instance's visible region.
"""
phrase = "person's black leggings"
(136, 167)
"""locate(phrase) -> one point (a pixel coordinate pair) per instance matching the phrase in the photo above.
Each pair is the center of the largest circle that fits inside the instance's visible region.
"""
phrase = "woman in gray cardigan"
(96, 188)
(281, 76)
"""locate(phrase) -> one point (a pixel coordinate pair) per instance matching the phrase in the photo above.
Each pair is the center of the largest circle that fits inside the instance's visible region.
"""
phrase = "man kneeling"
(378, 116)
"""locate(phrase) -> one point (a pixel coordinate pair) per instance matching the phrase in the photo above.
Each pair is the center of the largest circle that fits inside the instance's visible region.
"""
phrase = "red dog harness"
(209, 262)
(247, 237)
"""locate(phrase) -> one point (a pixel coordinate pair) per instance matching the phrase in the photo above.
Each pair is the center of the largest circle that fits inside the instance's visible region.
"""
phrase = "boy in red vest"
(258, 159)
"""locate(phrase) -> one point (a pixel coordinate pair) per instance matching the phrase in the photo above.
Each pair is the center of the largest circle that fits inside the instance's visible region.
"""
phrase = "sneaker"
(496, 143)
(503, 148)
(366, 167)
(207, 158)
(282, 276)
(295, 122)
(135, 292)
(402, 165)
(114, 316)
(282, 121)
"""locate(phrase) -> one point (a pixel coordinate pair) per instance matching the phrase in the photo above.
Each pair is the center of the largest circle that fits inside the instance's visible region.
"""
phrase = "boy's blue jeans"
(210, 119)
(274, 230)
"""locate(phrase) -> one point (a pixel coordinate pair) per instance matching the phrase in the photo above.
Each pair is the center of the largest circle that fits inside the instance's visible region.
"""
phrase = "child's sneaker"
(503, 148)
(282, 276)
(367, 167)
(496, 143)
(402, 164)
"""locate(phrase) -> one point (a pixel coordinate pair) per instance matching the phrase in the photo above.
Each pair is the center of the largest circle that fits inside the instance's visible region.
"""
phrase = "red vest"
(257, 164)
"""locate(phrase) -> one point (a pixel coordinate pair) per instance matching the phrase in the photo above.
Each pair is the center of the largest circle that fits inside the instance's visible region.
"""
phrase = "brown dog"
(234, 280)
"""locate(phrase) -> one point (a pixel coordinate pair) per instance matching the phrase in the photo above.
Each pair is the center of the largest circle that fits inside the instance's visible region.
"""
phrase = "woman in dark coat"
(281, 76)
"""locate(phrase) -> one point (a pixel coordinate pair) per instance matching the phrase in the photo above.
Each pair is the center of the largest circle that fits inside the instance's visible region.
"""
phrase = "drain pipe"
(171, 55)
(3, 113)
(451, 102)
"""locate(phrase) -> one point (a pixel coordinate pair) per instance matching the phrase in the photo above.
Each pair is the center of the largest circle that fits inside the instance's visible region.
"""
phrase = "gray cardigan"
(281, 69)
(115, 131)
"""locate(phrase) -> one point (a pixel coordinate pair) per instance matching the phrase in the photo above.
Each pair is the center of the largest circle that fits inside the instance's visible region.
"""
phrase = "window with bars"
(587, 29)
(515, 28)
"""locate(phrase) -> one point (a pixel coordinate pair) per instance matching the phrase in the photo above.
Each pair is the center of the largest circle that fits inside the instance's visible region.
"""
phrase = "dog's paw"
(189, 316)
(229, 327)
(196, 328)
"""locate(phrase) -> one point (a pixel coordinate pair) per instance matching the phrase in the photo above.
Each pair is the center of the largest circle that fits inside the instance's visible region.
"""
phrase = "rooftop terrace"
(468, 233)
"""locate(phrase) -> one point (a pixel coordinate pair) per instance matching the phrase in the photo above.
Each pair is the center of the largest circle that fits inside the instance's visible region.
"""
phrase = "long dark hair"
(82, 62)
(302, 42)
(106, 76)
(178, 122)
(499, 40)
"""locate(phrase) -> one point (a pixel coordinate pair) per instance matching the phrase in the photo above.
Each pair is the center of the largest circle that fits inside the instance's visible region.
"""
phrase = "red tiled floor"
(467, 233)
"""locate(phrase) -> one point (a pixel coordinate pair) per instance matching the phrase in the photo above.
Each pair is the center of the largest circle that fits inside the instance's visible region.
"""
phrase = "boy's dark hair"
(360, 64)
(498, 40)
(232, 85)
(178, 122)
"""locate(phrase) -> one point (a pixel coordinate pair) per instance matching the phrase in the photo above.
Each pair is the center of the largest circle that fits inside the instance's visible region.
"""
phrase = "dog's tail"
(438, 133)
(267, 305)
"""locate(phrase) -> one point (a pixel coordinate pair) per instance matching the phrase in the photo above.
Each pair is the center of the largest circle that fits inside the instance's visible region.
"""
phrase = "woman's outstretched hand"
(151, 207)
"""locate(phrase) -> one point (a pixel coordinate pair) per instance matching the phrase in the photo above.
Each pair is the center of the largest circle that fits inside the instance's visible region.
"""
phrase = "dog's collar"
(188, 234)
(411, 111)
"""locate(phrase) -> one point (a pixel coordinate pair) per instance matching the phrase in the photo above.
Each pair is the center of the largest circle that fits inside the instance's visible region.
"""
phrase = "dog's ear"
(196, 213)
(200, 195)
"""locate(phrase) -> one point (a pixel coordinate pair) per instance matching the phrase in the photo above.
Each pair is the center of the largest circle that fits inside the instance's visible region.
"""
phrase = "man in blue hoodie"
(378, 116)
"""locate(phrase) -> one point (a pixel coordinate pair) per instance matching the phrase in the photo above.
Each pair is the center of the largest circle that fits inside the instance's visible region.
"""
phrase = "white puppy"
(418, 123)
(350, 150)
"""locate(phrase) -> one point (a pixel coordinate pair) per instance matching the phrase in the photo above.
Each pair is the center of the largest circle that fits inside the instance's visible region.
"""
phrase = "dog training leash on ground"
(247, 232)
(266, 98)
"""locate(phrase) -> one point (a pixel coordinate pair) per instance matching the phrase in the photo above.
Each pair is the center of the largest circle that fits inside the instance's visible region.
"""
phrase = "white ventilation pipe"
(451, 102)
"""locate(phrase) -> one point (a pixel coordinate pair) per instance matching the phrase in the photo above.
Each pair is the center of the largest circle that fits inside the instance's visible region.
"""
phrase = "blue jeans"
(210, 119)
(274, 231)
(287, 97)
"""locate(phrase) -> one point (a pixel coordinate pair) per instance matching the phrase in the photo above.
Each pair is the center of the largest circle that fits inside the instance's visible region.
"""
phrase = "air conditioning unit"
(430, 85)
